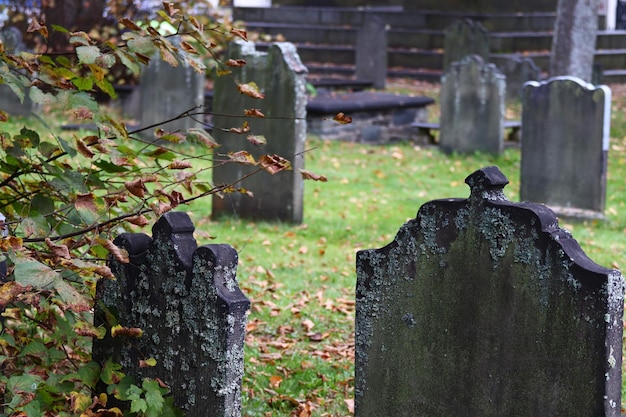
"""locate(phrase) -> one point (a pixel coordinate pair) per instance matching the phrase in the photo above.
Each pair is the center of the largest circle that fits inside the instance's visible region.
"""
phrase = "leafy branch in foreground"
(66, 194)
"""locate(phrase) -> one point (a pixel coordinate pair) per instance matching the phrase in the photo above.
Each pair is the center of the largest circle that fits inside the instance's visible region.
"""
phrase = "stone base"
(576, 214)
(377, 118)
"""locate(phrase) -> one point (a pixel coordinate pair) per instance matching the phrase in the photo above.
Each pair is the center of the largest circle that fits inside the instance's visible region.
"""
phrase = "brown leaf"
(251, 90)
(245, 128)
(104, 271)
(136, 187)
(118, 253)
(9, 292)
(350, 404)
(308, 175)
(170, 9)
(257, 140)
(253, 113)
(240, 33)
(126, 331)
(275, 381)
(86, 202)
(187, 47)
(83, 113)
(4, 116)
(342, 119)
(38, 26)
(59, 251)
(129, 24)
(83, 149)
(179, 165)
(138, 220)
(236, 62)
(308, 324)
(242, 157)
(11, 242)
(274, 163)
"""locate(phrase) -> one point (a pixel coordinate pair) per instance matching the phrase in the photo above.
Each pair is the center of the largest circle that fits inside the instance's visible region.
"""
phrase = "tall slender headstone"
(565, 143)
(465, 37)
(167, 92)
(573, 43)
(280, 76)
(371, 51)
(484, 307)
(472, 100)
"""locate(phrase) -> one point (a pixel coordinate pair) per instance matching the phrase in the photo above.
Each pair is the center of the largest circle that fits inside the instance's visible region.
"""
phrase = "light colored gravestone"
(484, 307)
(465, 37)
(371, 51)
(472, 100)
(280, 75)
(11, 38)
(518, 71)
(166, 92)
(565, 142)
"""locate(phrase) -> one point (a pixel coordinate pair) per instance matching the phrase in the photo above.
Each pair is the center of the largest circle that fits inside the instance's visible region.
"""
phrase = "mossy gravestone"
(483, 307)
(186, 301)
(280, 76)
(565, 145)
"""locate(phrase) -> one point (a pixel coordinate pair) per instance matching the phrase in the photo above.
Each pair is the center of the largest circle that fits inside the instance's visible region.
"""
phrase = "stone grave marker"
(166, 92)
(371, 51)
(565, 142)
(280, 76)
(462, 38)
(472, 101)
(192, 313)
(11, 38)
(518, 71)
(485, 307)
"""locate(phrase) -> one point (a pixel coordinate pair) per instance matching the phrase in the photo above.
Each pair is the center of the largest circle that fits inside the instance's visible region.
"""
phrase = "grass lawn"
(301, 279)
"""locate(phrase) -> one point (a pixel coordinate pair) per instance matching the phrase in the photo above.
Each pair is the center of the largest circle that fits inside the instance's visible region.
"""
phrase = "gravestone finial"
(487, 183)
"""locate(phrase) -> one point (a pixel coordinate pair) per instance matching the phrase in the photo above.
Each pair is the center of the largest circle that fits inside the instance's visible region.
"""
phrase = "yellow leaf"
(251, 90)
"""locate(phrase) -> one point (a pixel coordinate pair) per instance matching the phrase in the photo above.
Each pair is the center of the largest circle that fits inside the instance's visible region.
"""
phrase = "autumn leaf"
(253, 113)
(236, 62)
(58, 251)
(136, 187)
(187, 47)
(38, 26)
(274, 163)
(86, 203)
(4, 116)
(170, 9)
(242, 157)
(195, 135)
(275, 381)
(240, 33)
(83, 149)
(250, 89)
(308, 175)
(342, 119)
(126, 331)
(257, 140)
(129, 24)
(83, 113)
(179, 165)
(10, 242)
(9, 291)
(245, 128)
(138, 220)
(150, 362)
(118, 253)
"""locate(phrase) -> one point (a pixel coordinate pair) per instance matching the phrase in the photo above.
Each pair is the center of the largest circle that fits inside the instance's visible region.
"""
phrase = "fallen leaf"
(343, 119)
(275, 381)
(307, 324)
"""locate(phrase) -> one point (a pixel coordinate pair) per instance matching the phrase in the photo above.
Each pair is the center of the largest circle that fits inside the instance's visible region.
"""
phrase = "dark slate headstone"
(565, 142)
(187, 302)
(371, 51)
(518, 71)
(280, 76)
(472, 101)
(465, 37)
(166, 92)
(483, 307)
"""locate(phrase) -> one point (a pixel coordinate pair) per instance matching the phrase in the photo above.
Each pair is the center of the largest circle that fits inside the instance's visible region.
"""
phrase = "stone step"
(395, 17)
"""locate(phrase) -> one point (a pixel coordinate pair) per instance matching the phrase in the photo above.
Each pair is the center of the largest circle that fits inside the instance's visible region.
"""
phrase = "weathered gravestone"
(465, 37)
(472, 101)
(565, 141)
(280, 75)
(186, 301)
(518, 71)
(371, 51)
(166, 92)
(483, 307)
(12, 41)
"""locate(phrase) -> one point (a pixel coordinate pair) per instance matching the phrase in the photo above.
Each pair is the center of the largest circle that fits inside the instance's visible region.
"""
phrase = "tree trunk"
(574, 41)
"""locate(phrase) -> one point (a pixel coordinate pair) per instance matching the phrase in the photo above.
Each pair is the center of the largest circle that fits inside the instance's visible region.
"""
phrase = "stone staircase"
(326, 36)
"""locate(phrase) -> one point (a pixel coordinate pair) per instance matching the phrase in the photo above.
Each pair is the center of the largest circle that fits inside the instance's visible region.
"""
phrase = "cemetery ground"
(301, 279)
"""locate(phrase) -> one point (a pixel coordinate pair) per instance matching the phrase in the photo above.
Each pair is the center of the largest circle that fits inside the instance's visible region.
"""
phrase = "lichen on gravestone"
(485, 307)
(187, 302)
